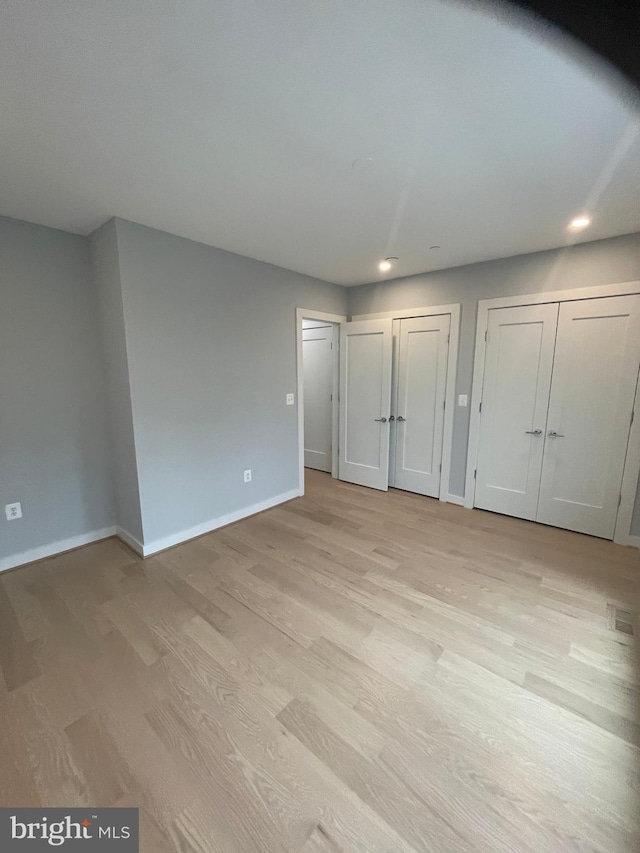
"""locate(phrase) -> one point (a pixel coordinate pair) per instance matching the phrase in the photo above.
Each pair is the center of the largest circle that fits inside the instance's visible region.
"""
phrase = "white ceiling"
(236, 123)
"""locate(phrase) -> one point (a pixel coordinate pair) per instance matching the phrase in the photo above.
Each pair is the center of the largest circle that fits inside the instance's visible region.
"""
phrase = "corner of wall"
(105, 257)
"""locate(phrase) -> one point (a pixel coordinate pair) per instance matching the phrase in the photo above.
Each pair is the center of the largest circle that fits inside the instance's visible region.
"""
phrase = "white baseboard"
(55, 548)
(62, 545)
(131, 541)
(222, 520)
(454, 499)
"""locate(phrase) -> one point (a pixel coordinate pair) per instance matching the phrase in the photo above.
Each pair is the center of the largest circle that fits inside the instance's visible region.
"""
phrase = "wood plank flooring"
(352, 672)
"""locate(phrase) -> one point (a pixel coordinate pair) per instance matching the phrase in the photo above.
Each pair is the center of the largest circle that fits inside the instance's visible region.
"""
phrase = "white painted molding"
(311, 314)
(452, 371)
(634, 541)
(623, 288)
(130, 540)
(632, 461)
(450, 398)
(221, 521)
(53, 549)
(630, 475)
(453, 499)
(408, 313)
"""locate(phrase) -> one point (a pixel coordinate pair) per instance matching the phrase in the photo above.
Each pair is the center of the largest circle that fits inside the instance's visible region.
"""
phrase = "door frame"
(450, 387)
(632, 459)
(335, 320)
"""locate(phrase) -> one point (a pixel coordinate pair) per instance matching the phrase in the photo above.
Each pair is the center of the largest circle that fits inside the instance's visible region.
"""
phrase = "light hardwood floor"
(353, 672)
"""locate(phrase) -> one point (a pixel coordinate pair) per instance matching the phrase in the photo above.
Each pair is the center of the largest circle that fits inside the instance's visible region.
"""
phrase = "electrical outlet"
(463, 400)
(290, 399)
(247, 475)
(13, 511)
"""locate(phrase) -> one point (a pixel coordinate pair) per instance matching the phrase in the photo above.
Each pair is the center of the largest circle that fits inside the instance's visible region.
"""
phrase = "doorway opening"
(318, 344)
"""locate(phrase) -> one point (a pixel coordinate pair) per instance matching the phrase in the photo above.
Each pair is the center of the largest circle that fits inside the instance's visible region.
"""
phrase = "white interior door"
(365, 402)
(592, 397)
(422, 354)
(515, 398)
(317, 367)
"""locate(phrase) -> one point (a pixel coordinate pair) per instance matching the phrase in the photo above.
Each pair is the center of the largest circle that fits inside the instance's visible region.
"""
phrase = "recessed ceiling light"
(580, 222)
(386, 264)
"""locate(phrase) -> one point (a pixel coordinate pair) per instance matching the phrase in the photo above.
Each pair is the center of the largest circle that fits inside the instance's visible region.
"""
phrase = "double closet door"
(557, 401)
(392, 395)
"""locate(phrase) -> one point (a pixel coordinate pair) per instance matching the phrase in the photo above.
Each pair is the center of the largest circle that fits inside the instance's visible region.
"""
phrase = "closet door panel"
(515, 397)
(592, 397)
(365, 402)
(423, 349)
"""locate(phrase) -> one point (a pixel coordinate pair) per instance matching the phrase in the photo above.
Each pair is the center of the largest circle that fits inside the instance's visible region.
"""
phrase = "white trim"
(395, 376)
(476, 397)
(633, 541)
(311, 314)
(55, 548)
(632, 462)
(450, 398)
(407, 314)
(215, 523)
(458, 500)
(624, 288)
(130, 540)
(452, 369)
(629, 476)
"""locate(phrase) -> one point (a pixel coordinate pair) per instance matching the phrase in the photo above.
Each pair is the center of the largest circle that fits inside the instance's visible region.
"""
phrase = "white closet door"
(592, 396)
(365, 402)
(317, 366)
(515, 397)
(422, 354)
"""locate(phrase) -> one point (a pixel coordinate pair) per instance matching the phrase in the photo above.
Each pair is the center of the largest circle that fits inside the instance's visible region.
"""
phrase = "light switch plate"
(290, 399)
(463, 400)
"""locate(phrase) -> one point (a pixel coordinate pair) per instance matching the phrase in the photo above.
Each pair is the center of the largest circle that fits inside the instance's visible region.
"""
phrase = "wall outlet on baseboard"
(247, 475)
(13, 511)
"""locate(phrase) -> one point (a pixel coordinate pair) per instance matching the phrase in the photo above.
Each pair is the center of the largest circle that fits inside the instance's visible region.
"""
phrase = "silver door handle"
(553, 434)
(381, 420)
(400, 419)
(533, 431)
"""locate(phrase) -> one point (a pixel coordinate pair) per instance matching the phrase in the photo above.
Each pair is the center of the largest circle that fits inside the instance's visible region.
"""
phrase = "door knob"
(392, 417)
(400, 418)
(381, 420)
(553, 434)
(533, 431)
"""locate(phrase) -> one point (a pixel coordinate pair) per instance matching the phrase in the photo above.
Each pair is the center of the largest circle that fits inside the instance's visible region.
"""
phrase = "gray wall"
(600, 262)
(54, 452)
(199, 346)
(106, 271)
(211, 346)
